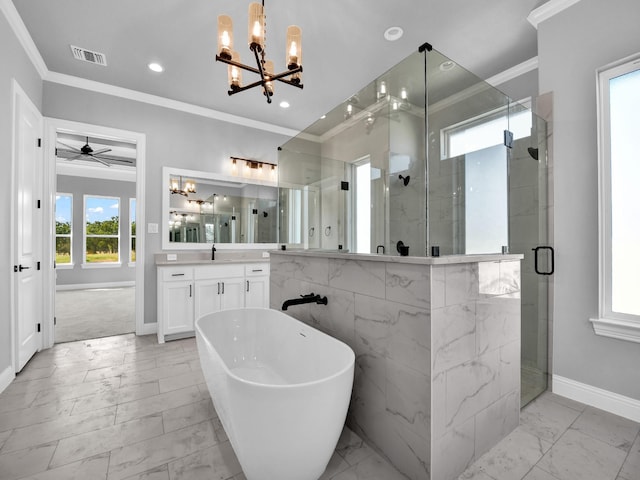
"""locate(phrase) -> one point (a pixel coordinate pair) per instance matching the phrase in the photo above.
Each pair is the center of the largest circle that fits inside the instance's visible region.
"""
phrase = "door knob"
(20, 268)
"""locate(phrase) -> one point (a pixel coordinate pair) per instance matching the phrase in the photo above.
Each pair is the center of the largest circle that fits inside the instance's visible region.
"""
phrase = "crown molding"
(513, 72)
(20, 30)
(99, 87)
(548, 10)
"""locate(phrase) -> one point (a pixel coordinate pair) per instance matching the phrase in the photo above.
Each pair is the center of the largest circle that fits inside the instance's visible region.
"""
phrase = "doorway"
(96, 190)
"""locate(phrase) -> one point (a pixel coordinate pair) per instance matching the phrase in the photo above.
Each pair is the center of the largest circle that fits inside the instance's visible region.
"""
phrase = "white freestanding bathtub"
(280, 388)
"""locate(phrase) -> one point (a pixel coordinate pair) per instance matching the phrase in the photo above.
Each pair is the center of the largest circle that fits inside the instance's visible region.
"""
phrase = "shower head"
(533, 152)
(405, 180)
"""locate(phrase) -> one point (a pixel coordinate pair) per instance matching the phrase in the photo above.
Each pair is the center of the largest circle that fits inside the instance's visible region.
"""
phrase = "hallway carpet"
(94, 313)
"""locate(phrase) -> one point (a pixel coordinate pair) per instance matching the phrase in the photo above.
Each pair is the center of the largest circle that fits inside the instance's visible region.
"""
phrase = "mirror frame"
(168, 172)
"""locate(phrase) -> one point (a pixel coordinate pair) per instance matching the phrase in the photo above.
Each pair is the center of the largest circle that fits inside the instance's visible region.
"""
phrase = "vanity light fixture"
(252, 165)
(257, 45)
(177, 187)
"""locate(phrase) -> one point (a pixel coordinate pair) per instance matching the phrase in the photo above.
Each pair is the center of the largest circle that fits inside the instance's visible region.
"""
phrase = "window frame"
(609, 323)
(86, 264)
(132, 200)
(69, 265)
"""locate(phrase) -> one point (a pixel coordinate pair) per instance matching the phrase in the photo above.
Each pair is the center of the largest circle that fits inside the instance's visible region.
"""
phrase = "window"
(101, 230)
(619, 210)
(132, 230)
(64, 228)
(485, 131)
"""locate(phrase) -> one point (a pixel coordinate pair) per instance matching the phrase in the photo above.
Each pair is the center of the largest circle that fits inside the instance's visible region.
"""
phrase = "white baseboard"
(6, 377)
(87, 286)
(149, 328)
(596, 397)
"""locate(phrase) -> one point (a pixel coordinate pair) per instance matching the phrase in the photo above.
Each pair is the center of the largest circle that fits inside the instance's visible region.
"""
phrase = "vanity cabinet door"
(233, 293)
(207, 297)
(257, 292)
(177, 307)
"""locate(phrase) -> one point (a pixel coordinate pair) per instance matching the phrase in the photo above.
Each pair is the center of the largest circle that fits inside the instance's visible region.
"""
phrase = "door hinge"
(38, 328)
(38, 204)
(55, 320)
(508, 139)
(39, 142)
(37, 265)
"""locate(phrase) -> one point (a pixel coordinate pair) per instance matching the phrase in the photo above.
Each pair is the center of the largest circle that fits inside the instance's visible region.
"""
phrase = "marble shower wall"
(437, 351)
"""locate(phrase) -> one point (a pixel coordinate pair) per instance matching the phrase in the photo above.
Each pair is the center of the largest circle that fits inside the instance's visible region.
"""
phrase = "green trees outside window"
(63, 214)
(102, 229)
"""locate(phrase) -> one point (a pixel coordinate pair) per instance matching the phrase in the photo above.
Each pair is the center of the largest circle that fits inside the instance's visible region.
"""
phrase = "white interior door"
(27, 228)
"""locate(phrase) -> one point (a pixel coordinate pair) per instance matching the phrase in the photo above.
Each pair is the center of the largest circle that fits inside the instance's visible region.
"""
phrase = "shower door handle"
(535, 257)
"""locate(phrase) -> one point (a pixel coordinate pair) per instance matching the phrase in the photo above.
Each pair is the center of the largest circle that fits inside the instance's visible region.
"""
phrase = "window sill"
(621, 329)
(101, 265)
(132, 264)
(64, 266)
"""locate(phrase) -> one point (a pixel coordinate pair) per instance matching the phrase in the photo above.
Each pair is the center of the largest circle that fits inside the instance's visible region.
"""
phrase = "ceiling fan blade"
(80, 155)
(102, 150)
(117, 160)
(101, 161)
(69, 146)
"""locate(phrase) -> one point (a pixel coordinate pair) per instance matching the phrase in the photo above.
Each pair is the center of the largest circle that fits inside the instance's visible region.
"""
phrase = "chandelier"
(264, 68)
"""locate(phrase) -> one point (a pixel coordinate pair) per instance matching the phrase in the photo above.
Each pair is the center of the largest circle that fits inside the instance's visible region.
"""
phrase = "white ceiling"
(343, 45)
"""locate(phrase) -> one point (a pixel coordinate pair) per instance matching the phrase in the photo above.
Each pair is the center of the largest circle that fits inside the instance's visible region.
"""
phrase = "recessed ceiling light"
(156, 67)
(323, 117)
(447, 65)
(284, 104)
(393, 33)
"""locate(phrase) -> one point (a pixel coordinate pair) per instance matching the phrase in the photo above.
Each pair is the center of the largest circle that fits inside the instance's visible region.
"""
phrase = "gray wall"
(173, 138)
(15, 64)
(571, 46)
(79, 186)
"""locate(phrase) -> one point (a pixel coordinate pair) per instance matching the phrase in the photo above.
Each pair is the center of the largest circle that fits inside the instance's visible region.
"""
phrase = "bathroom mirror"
(202, 208)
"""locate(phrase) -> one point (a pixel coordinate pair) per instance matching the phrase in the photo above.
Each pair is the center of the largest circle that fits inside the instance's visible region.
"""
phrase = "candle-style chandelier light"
(264, 68)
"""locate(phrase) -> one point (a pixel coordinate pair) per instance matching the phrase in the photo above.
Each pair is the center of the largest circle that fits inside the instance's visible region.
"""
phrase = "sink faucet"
(213, 251)
(380, 247)
(309, 298)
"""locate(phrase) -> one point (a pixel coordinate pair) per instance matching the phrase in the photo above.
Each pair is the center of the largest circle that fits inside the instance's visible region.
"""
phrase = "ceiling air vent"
(89, 56)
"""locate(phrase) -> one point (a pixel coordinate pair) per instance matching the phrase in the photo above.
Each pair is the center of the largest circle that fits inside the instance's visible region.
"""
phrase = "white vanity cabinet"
(175, 300)
(188, 292)
(257, 285)
(218, 288)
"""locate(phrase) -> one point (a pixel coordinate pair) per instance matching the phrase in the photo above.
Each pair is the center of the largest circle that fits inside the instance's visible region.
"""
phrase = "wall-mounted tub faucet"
(380, 247)
(213, 251)
(405, 180)
(309, 298)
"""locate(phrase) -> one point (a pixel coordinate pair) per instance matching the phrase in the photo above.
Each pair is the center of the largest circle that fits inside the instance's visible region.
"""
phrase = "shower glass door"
(528, 231)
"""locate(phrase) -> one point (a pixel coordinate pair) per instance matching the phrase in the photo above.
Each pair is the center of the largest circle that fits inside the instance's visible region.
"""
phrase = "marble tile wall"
(437, 352)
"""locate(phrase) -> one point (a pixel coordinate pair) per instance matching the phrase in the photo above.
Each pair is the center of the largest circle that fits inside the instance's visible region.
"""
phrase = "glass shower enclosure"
(430, 158)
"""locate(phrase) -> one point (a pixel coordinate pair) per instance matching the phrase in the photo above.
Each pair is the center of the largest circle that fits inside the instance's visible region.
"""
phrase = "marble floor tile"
(168, 384)
(70, 392)
(511, 458)
(45, 383)
(352, 448)
(94, 468)
(538, 474)
(31, 416)
(135, 377)
(631, 468)
(31, 373)
(373, 467)
(3, 437)
(336, 465)
(119, 370)
(218, 462)
(191, 414)
(106, 439)
(158, 473)
(577, 456)
(25, 462)
(158, 403)
(547, 419)
(145, 455)
(612, 429)
(58, 429)
(114, 397)
(17, 401)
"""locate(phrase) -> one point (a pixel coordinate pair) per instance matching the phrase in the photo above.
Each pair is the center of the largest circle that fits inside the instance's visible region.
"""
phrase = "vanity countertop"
(372, 257)
(223, 257)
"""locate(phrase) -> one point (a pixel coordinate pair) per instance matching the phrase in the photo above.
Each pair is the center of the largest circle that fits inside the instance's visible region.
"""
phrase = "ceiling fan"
(88, 153)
